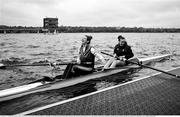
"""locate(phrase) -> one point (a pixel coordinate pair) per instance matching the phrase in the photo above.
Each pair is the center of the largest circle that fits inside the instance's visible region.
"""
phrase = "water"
(41, 48)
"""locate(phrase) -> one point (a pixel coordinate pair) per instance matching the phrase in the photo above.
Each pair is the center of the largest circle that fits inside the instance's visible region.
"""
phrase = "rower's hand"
(115, 56)
(78, 61)
(122, 58)
(53, 64)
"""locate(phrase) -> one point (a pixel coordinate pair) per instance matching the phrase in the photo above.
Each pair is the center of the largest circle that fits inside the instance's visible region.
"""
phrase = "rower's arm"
(129, 53)
(99, 56)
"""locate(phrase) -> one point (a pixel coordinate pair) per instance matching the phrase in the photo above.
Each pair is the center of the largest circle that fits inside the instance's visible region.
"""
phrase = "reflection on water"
(40, 48)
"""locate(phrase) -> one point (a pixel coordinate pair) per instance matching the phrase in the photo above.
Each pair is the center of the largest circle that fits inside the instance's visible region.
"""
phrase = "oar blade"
(2, 66)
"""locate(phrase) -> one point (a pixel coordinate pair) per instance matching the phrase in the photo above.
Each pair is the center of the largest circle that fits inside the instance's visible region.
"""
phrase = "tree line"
(85, 29)
(116, 29)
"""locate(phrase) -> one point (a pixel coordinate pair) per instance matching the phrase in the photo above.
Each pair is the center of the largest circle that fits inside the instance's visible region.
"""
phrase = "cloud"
(146, 13)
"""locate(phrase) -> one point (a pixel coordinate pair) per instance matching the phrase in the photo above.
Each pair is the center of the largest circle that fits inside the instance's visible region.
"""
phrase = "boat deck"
(154, 95)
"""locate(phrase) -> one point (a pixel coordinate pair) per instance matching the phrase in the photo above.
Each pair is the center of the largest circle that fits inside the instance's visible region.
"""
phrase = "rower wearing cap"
(85, 60)
(123, 51)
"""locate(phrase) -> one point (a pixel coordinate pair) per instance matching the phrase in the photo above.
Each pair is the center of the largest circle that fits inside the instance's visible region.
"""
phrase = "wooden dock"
(153, 95)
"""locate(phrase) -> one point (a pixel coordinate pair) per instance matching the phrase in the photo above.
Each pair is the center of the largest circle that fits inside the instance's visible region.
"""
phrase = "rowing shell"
(16, 92)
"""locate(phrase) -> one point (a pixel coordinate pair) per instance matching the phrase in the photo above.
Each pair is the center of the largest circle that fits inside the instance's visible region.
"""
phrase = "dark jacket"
(86, 57)
(123, 51)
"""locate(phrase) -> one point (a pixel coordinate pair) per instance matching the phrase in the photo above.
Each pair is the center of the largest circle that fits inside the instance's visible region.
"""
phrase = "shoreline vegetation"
(85, 29)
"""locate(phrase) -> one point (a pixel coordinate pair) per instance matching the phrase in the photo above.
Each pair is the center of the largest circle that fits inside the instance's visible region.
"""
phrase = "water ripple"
(39, 48)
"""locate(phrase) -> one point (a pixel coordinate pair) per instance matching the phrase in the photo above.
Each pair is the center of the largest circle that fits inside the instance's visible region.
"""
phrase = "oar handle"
(110, 55)
(138, 63)
(145, 66)
(107, 54)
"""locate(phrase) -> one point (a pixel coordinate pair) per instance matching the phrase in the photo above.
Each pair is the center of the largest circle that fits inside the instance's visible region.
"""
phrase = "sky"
(127, 13)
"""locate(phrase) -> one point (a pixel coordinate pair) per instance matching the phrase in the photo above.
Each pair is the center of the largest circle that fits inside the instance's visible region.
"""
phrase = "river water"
(63, 47)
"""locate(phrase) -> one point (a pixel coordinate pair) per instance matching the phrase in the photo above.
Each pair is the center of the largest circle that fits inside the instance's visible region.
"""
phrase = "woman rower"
(122, 52)
(85, 60)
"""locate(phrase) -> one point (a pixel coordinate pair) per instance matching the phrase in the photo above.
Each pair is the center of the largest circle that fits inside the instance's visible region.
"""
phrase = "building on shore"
(51, 24)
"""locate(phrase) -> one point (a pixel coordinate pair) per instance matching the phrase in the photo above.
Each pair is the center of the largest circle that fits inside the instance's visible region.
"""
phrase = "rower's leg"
(117, 63)
(108, 64)
(134, 59)
(81, 70)
(113, 65)
(67, 72)
(120, 63)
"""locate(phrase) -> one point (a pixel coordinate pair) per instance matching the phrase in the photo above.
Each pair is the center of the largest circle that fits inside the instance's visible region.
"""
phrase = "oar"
(2, 66)
(138, 63)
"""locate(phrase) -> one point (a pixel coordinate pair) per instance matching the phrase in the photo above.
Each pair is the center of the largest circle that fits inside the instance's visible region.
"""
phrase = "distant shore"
(84, 29)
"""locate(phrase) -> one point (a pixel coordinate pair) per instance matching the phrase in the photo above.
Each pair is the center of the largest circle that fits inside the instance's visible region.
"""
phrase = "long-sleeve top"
(123, 51)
